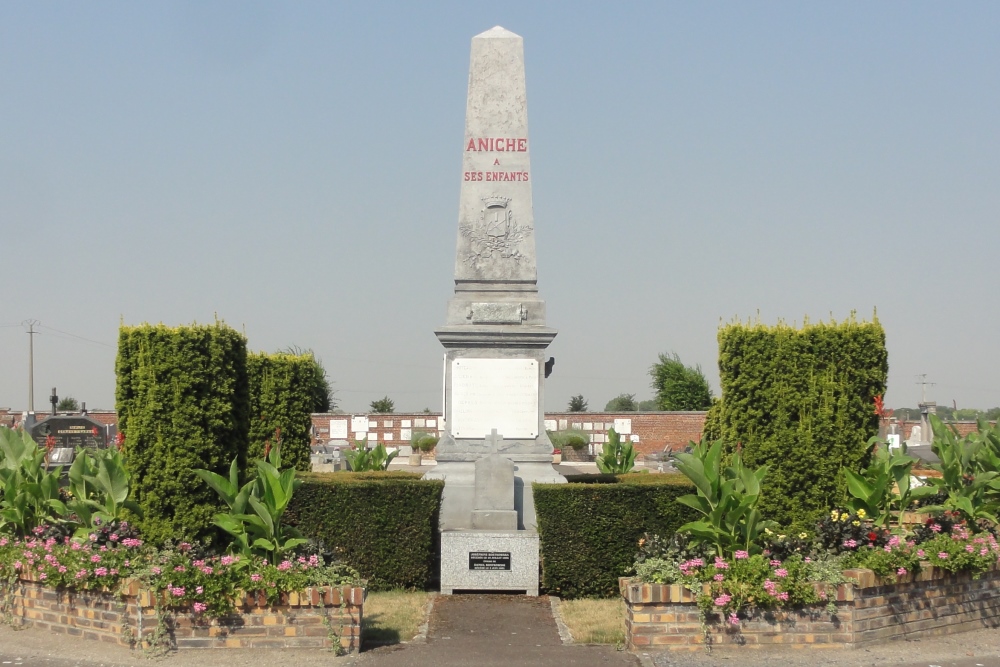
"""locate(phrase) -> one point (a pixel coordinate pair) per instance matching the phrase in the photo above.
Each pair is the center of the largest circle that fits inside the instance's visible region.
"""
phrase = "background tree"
(577, 403)
(648, 406)
(679, 387)
(68, 404)
(622, 403)
(383, 405)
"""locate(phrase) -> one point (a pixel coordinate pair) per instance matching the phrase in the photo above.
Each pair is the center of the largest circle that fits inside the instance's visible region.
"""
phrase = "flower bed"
(327, 617)
(114, 588)
(865, 610)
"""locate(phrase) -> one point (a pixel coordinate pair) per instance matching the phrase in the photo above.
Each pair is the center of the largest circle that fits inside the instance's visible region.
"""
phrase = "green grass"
(595, 621)
(392, 617)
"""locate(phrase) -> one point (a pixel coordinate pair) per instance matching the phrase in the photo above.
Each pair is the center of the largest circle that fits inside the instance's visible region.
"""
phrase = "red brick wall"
(313, 619)
(932, 602)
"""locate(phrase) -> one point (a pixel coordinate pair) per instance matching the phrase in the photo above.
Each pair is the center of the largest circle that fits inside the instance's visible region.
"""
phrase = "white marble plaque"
(387, 424)
(405, 434)
(404, 423)
(577, 425)
(563, 424)
(550, 425)
(371, 437)
(419, 423)
(338, 429)
(499, 394)
(587, 426)
(623, 426)
(359, 423)
(431, 423)
(387, 435)
(372, 424)
(635, 438)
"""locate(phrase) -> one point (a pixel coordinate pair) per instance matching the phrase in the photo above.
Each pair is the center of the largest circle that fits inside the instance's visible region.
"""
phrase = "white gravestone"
(499, 394)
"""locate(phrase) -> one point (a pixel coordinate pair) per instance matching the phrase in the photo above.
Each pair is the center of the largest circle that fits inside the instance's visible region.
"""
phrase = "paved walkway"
(488, 630)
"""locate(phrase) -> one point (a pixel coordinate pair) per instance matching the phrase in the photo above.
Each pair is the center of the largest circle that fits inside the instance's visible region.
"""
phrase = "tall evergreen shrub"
(801, 400)
(285, 389)
(183, 403)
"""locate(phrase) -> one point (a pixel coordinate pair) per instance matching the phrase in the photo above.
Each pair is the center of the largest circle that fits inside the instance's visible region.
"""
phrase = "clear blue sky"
(294, 169)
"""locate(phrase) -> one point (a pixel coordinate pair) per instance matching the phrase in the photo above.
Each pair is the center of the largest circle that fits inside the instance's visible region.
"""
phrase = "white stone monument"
(494, 336)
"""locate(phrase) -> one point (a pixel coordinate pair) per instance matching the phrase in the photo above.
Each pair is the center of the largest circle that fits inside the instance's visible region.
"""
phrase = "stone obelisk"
(495, 334)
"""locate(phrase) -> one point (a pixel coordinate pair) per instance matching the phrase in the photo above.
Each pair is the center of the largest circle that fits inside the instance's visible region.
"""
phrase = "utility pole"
(31, 324)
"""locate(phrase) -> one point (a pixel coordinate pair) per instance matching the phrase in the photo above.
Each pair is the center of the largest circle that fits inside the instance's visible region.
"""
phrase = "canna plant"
(99, 484)
(727, 498)
(617, 457)
(885, 485)
(256, 508)
(364, 460)
(29, 493)
(970, 471)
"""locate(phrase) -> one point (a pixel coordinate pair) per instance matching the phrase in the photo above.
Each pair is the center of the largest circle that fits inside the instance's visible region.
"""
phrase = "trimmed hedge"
(383, 524)
(801, 401)
(590, 531)
(285, 389)
(182, 403)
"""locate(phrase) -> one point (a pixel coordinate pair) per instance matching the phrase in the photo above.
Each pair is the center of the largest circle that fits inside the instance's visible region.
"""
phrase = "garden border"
(327, 617)
(868, 610)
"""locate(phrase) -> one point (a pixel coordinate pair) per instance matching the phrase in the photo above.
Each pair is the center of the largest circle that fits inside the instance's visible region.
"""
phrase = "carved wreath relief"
(497, 232)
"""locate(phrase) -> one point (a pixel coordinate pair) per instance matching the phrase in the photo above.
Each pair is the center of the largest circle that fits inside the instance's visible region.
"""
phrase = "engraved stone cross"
(494, 440)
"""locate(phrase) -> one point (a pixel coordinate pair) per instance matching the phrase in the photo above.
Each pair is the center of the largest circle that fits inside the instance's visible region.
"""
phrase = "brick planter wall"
(316, 618)
(869, 610)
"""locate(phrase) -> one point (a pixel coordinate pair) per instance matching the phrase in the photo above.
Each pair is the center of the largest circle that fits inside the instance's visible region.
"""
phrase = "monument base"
(489, 560)
(458, 497)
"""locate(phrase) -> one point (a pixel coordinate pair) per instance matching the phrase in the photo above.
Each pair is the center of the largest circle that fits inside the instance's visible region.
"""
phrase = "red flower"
(872, 536)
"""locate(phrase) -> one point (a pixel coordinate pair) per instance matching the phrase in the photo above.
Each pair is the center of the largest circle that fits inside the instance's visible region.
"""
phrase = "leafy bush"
(183, 403)
(617, 457)
(800, 401)
(885, 488)
(679, 387)
(970, 471)
(383, 524)
(366, 460)
(423, 441)
(99, 484)
(30, 493)
(726, 498)
(574, 438)
(285, 389)
(589, 532)
(260, 533)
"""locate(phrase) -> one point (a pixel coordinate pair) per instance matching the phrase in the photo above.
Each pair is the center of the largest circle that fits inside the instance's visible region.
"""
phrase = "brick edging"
(318, 617)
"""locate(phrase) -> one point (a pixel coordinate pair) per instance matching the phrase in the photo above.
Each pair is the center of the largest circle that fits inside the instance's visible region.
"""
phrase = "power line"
(66, 333)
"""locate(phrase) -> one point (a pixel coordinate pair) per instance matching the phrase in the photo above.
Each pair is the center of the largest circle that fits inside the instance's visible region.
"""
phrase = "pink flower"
(719, 577)
(920, 553)
(935, 527)
(155, 570)
(781, 572)
(95, 559)
(81, 574)
(199, 590)
(177, 591)
(43, 576)
(901, 571)
(850, 544)
(970, 548)
(199, 607)
(206, 570)
(740, 555)
(775, 563)
(723, 600)
(101, 571)
(808, 560)
(721, 564)
(229, 560)
(180, 568)
(734, 619)
(943, 555)
(285, 565)
(783, 596)
(255, 577)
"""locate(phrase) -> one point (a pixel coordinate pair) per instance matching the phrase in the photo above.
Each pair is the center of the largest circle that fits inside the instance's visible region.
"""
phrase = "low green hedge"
(590, 527)
(383, 524)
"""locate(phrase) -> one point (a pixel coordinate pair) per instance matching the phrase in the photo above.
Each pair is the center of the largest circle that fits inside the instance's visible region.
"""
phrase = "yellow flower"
(768, 531)
(781, 537)
(855, 523)
(844, 517)
(803, 536)
(861, 514)
(834, 515)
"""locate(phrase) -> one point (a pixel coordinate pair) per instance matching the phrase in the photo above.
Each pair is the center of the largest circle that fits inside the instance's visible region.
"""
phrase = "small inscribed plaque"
(359, 423)
(576, 425)
(372, 424)
(431, 423)
(405, 434)
(338, 429)
(563, 424)
(387, 435)
(496, 313)
(635, 438)
(499, 394)
(550, 425)
(623, 426)
(405, 423)
(387, 424)
(419, 423)
(489, 560)
(587, 426)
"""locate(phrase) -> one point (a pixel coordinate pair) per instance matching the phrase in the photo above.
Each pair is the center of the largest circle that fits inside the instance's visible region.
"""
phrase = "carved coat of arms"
(496, 233)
